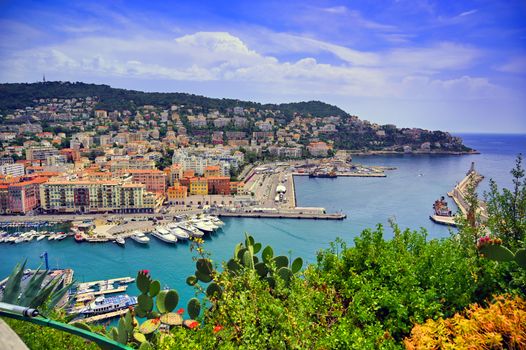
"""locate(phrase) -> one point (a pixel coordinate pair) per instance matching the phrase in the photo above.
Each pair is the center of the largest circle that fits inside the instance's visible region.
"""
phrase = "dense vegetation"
(21, 95)
(378, 293)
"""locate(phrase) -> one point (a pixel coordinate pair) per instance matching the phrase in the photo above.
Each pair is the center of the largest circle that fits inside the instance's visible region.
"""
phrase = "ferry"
(164, 235)
(440, 207)
(103, 305)
(140, 237)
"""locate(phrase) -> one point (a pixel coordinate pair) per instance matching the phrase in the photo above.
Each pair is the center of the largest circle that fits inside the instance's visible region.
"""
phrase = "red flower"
(180, 311)
(144, 272)
(193, 325)
(217, 328)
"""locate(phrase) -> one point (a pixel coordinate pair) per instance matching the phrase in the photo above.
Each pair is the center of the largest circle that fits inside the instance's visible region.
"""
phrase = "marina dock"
(90, 295)
(87, 285)
(101, 317)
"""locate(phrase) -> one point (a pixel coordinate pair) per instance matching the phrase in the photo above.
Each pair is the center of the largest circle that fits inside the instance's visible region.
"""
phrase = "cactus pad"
(145, 302)
(496, 252)
(214, 290)
(297, 265)
(172, 319)
(149, 326)
(155, 288)
(281, 261)
(267, 254)
(261, 269)
(520, 258)
(194, 308)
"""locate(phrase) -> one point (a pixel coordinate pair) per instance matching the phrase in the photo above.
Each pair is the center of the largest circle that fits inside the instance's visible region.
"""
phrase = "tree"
(507, 208)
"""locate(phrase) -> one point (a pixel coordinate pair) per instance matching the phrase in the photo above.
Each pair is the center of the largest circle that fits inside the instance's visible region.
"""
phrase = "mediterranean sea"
(405, 195)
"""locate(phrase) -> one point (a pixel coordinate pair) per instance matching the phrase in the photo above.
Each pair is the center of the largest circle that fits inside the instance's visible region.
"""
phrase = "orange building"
(177, 193)
(236, 187)
(72, 154)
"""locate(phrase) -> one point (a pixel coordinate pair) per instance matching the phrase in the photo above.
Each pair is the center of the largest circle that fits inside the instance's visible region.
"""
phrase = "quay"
(458, 194)
(348, 174)
(89, 295)
(86, 285)
(101, 317)
(277, 215)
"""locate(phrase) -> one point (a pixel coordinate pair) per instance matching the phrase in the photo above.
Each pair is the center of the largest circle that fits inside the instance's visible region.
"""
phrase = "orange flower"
(217, 328)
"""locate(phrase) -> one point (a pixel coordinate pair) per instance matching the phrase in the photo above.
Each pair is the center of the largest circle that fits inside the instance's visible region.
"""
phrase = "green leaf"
(214, 290)
(496, 252)
(194, 308)
(520, 258)
(257, 247)
(12, 287)
(145, 302)
(155, 288)
(281, 261)
(267, 254)
(297, 265)
(191, 280)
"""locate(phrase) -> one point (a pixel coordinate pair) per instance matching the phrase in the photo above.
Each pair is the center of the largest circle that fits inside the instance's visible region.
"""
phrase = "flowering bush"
(499, 326)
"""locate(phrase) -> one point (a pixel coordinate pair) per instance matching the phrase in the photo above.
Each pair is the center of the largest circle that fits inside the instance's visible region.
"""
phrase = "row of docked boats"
(195, 227)
(19, 237)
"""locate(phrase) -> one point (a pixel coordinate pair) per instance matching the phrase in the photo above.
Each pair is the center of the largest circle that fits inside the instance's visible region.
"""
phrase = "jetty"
(81, 297)
(101, 317)
(458, 194)
(120, 280)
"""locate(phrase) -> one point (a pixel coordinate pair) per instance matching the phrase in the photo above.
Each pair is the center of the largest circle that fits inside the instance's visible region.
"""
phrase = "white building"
(12, 169)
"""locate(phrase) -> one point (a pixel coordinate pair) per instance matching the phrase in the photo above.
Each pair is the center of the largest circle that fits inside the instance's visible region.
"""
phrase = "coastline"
(386, 153)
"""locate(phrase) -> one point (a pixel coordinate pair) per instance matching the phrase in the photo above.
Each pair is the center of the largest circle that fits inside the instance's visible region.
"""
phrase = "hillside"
(13, 96)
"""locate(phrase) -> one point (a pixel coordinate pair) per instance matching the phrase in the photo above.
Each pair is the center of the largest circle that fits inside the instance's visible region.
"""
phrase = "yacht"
(103, 305)
(178, 232)
(202, 225)
(140, 237)
(190, 229)
(60, 236)
(216, 221)
(164, 235)
(19, 239)
(120, 241)
(41, 237)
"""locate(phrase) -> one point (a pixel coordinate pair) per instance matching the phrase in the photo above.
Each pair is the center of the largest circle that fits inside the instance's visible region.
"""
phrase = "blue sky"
(451, 65)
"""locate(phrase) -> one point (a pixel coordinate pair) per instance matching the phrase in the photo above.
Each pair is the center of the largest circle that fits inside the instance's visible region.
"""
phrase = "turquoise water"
(406, 195)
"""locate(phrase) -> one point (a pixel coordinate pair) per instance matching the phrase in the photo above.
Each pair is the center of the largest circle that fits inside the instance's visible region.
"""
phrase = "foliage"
(499, 326)
(40, 337)
(36, 293)
(507, 208)
(22, 95)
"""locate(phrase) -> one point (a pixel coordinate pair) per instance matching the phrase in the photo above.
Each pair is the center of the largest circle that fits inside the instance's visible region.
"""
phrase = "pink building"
(24, 196)
(155, 180)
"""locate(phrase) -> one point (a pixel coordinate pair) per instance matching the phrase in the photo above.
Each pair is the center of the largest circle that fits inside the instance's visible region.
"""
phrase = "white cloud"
(514, 65)
(223, 57)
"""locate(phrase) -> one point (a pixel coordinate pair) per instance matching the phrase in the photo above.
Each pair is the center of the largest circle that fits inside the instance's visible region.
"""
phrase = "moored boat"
(103, 305)
(120, 241)
(164, 235)
(191, 230)
(140, 237)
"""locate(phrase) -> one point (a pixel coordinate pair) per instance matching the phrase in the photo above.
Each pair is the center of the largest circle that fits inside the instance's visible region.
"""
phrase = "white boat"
(202, 225)
(164, 235)
(140, 237)
(11, 239)
(120, 241)
(191, 230)
(51, 237)
(178, 232)
(215, 220)
(39, 238)
(60, 237)
(103, 305)
(19, 239)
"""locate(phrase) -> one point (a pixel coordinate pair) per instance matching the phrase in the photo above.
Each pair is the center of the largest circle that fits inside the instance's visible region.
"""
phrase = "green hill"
(13, 96)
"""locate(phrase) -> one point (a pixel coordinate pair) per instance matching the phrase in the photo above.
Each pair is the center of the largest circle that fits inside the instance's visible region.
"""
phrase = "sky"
(450, 65)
